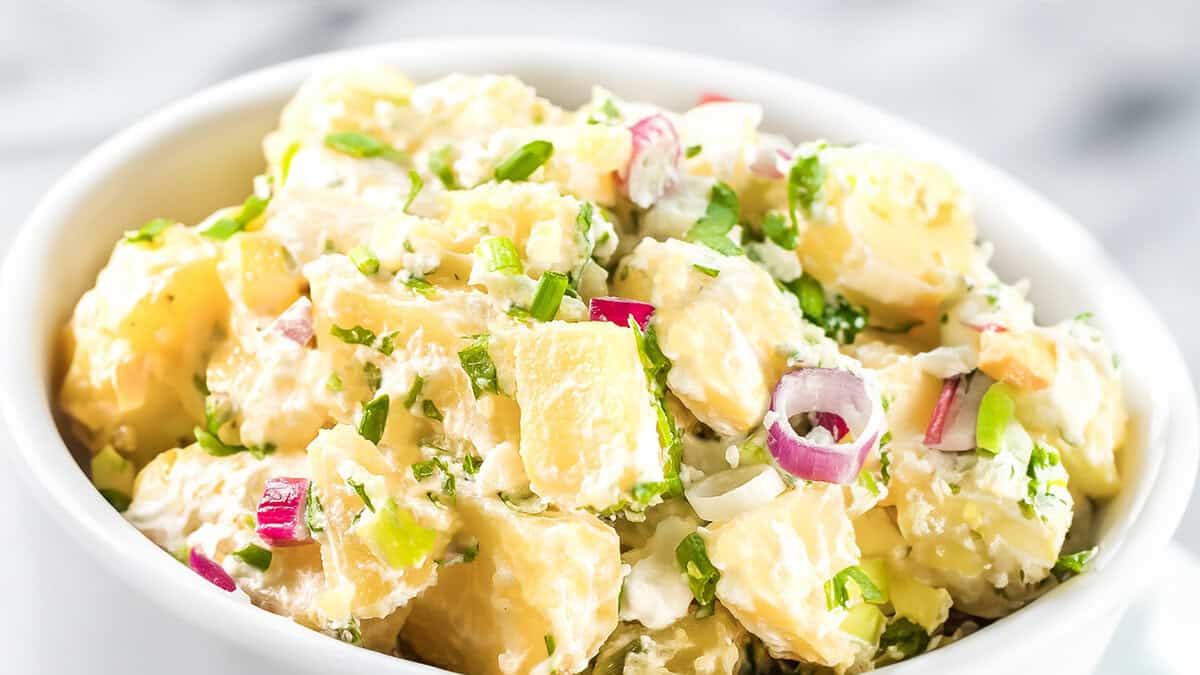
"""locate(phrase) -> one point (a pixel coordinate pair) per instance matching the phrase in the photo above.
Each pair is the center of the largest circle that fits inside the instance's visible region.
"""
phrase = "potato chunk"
(137, 342)
(774, 562)
(259, 274)
(382, 535)
(1025, 360)
(707, 646)
(728, 337)
(889, 231)
(556, 575)
(588, 423)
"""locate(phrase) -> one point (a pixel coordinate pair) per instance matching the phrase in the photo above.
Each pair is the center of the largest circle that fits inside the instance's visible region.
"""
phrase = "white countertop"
(1096, 103)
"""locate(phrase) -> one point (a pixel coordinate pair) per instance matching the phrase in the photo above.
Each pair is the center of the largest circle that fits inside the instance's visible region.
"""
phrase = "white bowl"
(200, 153)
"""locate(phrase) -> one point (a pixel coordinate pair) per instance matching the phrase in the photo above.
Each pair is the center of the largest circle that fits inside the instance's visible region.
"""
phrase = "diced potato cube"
(739, 316)
(362, 98)
(774, 562)
(1026, 359)
(924, 605)
(137, 342)
(588, 422)
(259, 273)
(889, 231)
(553, 576)
(706, 646)
(382, 535)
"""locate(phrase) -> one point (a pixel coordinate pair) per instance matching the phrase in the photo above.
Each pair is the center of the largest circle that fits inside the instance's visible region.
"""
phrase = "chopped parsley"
(549, 640)
(907, 637)
(1043, 477)
(364, 146)
(479, 367)
(611, 114)
(431, 410)
(692, 150)
(213, 445)
(314, 515)
(255, 556)
(1072, 564)
(712, 230)
(414, 392)
(657, 366)
(548, 296)
(524, 161)
(228, 226)
(414, 188)
(866, 480)
(387, 344)
(374, 419)
(373, 375)
(350, 633)
(362, 493)
(692, 557)
(471, 464)
(708, 271)
(147, 233)
(840, 319)
(364, 260)
(353, 336)
(499, 255)
(441, 164)
(804, 184)
(419, 285)
(837, 595)
(785, 235)
(426, 469)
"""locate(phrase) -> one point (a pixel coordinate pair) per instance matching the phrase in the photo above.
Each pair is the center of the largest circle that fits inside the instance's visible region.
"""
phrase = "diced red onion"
(712, 97)
(281, 512)
(823, 390)
(653, 166)
(211, 571)
(618, 311)
(951, 427)
(989, 327)
(296, 322)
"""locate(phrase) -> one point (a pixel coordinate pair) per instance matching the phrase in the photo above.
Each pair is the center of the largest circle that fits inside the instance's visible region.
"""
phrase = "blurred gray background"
(1096, 104)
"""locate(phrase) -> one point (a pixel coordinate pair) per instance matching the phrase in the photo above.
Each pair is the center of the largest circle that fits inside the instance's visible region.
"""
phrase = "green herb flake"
(479, 367)
(374, 419)
(605, 113)
(431, 410)
(441, 164)
(353, 336)
(548, 296)
(420, 285)
(225, 228)
(361, 491)
(804, 184)
(200, 382)
(885, 464)
(712, 230)
(334, 383)
(373, 376)
(905, 636)
(867, 480)
(692, 557)
(549, 640)
(414, 392)
(314, 515)
(1084, 316)
(414, 188)
(499, 254)
(255, 556)
(285, 162)
(785, 235)
(423, 470)
(524, 161)
(837, 595)
(707, 271)
(692, 150)
(812, 298)
(1043, 476)
(364, 146)
(471, 464)
(1073, 564)
(364, 260)
(148, 232)
(213, 445)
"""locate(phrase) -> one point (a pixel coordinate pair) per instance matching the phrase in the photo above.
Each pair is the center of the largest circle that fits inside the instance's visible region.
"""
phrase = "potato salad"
(480, 381)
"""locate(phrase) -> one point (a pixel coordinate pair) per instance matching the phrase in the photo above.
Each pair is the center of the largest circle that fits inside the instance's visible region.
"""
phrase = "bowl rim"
(42, 458)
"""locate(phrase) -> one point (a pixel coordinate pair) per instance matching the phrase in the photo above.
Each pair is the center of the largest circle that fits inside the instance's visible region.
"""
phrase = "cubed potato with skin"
(138, 340)
(555, 574)
(774, 561)
(588, 422)
(691, 646)
(887, 230)
(366, 575)
(427, 334)
(728, 337)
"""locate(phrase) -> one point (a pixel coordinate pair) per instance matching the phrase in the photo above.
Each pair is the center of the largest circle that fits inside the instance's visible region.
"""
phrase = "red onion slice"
(281, 512)
(296, 322)
(618, 311)
(815, 391)
(951, 427)
(214, 573)
(713, 97)
(991, 327)
(653, 167)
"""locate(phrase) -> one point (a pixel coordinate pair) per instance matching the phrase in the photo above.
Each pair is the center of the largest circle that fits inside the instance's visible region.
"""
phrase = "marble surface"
(1096, 103)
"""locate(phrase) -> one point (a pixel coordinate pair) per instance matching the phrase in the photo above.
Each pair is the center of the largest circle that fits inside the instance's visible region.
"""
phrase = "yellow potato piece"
(554, 574)
(588, 424)
(888, 230)
(259, 273)
(1026, 359)
(137, 341)
(690, 646)
(774, 562)
(728, 338)
(360, 583)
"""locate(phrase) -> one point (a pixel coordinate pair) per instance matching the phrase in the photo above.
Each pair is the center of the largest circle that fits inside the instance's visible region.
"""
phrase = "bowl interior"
(202, 155)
